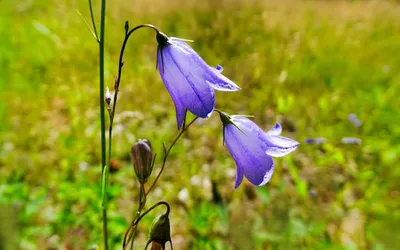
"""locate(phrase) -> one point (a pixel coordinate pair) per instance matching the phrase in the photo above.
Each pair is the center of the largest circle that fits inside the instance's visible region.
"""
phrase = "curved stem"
(168, 151)
(118, 80)
(116, 88)
(132, 228)
(129, 233)
(121, 64)
(152, 207)
(111, 111)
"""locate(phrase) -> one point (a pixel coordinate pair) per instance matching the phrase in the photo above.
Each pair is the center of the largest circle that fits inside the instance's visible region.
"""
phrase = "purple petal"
(180, 113)
(219, 69)
(248, 154)
(234, 148)
(248, 125)
(278, 146)
(184, 82)
(239, 176)
(220, 82)
(272, 144)
(260, 174)
(198, 98)
(174, 93)
(212, 75)
(275, 130)
(181, 45)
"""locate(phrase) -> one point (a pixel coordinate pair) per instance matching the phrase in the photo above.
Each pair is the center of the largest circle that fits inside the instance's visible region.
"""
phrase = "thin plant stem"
(130, 232)
(121, 64)
(93, 21)
(114, 105)
(168, 151)
(102, 116)
(111, 112)
(117, 83)
(152, 207)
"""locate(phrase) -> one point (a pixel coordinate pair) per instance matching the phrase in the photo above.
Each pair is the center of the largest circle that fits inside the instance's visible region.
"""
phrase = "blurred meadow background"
(306, 64)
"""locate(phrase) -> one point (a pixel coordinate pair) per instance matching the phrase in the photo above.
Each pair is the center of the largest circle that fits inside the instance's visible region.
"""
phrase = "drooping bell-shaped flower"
(189, 80)
(253, 149)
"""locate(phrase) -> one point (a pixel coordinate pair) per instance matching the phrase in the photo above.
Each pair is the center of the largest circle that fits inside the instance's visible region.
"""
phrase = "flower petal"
(272, 144)
(260, 175)
(173, 90)
(248, 125)
(219, 69)
(212, 75)
(239, 176)
(220, 82)
(184, 80)
(180, 113)
(275, 130)
(248, 154)
(278, 146)
(234, 148)
(181, 45)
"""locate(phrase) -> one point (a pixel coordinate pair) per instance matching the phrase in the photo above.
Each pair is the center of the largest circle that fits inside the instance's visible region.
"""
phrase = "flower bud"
(156, 246)
(126, 27)
(108, 96)
(160, 232)
(142, 158)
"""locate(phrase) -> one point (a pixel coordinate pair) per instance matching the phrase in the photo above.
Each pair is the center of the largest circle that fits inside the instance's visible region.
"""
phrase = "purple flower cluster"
(191, 82)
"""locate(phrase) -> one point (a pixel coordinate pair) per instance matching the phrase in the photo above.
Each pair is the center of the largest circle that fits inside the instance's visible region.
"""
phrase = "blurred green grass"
(306, 64)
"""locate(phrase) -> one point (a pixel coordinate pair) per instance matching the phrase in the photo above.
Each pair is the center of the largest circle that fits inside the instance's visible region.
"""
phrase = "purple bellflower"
(354, 120)
(189, 80)
(351, 140)
(253, 149)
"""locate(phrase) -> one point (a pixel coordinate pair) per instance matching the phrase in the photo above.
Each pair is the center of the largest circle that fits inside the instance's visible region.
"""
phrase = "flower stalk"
(104, 169)
(132, 228)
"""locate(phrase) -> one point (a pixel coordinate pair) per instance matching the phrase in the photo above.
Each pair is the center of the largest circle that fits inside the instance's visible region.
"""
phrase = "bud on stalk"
(160, 233)
(142, 158)
(108, 97)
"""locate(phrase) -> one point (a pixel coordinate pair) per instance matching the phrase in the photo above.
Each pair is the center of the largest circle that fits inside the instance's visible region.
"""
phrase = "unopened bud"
(142, 158)
(126, 27)
(156, 246)
(160, 232)
(108, 96)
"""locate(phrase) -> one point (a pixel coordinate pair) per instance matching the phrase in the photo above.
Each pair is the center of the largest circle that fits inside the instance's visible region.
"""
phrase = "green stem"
(93, 21)
(151, 208)
(168, 151)
(128, 237)
(102, 118)
(132, 229)
(112, 113)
